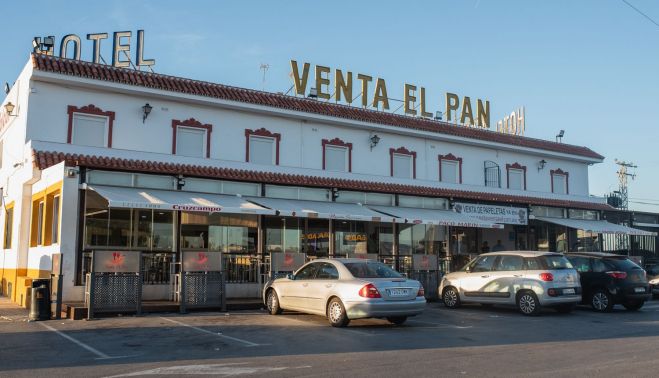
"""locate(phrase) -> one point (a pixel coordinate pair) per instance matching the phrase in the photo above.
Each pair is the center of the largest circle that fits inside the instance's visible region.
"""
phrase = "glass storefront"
(353, 238)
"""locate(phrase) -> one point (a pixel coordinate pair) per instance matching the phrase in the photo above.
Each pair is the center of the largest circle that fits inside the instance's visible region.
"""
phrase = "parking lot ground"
(469, 341)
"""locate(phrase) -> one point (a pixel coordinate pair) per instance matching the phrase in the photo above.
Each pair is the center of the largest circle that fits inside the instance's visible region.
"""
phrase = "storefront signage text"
(463, 110)
(514, 123)
(121, 46)
(493, 214)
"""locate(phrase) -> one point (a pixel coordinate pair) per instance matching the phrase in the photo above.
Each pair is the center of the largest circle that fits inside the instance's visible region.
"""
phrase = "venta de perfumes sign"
(123, 46)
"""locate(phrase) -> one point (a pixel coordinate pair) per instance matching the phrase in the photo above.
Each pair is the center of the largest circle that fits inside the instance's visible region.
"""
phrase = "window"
(191, 138)
(516, 176)
(190, 142)
(423, 202)
(337, 155)
(90, 126)
(482, 264)
(308, 272)
(559, 182)
(294, 192)
(89, 131)
(450, 169)
(403, 163)
(40, 215)
(509, 263)
(262, 146)
(54, 230)
(365, 198)
(9, 224)
(327, 272)
(581, 264)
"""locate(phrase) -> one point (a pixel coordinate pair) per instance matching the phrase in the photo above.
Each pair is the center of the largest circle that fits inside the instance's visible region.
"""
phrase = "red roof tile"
(194, 87)
(45, 159)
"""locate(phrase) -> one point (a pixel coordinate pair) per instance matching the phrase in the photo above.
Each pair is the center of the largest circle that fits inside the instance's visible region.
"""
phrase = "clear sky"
(588, 66)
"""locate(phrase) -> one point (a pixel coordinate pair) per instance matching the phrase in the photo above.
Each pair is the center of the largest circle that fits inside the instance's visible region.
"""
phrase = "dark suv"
(608, 279)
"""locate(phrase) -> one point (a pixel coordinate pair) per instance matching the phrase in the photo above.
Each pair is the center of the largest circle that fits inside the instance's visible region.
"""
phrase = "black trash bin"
(40, 301)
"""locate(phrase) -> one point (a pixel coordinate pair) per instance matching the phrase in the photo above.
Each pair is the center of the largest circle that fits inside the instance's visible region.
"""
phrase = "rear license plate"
(398, 292)
(639, 290)
(568, 291)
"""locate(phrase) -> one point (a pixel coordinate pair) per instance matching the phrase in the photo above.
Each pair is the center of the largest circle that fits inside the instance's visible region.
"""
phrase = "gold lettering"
(409, 97)
(300, 83)
(513, 123)
(452, 104)
(483, 114)
(380, 95)
(466, 111)
(343, 86)
(424, 113)
(97, 38)
(365, 79)
(322, 81)
(140, 51)
(118, 47)
(521, 122)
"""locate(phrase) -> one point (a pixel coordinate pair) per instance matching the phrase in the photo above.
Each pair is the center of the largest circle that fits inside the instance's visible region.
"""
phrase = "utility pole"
(623, 174)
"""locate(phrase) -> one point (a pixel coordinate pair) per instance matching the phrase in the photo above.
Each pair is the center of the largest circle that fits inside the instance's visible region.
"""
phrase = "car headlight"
(654, 281)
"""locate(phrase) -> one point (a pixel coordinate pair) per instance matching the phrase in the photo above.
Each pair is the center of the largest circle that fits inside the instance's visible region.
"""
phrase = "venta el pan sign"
(463, 111)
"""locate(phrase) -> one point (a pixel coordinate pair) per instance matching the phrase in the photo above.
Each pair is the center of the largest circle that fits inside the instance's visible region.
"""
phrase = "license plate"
(639, 290)
(568, 291)
(398, 292)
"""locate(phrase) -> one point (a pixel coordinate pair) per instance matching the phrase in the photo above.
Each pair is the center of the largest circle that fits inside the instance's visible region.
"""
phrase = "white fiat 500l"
(346, 289)
(529, 280)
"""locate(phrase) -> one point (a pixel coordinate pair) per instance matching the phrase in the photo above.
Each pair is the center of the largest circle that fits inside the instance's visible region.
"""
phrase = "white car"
(530, 280)
(346, 289)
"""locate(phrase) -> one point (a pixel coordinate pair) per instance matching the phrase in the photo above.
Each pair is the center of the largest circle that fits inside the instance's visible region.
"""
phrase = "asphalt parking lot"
(470, 341)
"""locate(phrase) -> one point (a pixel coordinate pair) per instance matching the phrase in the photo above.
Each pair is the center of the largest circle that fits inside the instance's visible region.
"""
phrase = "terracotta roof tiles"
(45, 159)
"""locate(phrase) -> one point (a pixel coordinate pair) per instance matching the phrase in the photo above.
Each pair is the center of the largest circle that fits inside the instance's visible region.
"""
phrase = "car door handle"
(328, 285)
(518, 275)
(305, 284)
(485, 276)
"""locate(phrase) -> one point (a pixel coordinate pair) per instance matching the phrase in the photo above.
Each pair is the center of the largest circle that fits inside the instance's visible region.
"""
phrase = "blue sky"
(589, 67)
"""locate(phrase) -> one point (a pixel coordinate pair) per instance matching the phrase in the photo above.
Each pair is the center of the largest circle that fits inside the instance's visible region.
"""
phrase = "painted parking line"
(100, 355)
(228, 369)
(241, 341)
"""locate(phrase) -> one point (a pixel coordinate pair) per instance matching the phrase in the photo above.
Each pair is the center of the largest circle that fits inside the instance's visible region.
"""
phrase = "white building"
(84, 168)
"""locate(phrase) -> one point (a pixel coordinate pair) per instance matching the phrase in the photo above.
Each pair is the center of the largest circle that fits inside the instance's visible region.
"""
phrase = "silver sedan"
(346, 289)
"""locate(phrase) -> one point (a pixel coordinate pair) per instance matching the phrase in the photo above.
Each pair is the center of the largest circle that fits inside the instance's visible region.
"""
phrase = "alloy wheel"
(272, 300)
(335, 312)
(527, 304)
(600, 301)
(450, 298)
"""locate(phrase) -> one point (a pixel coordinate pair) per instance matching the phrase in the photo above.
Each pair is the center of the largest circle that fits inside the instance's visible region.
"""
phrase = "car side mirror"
(468, 269)
(290, 276)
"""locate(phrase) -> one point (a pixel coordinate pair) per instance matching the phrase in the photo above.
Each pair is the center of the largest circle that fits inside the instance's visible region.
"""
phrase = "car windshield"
(371, 270)
(555, 262)
(623, 264)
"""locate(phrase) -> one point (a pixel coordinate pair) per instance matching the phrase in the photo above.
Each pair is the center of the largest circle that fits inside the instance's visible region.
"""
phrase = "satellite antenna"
(7, 88)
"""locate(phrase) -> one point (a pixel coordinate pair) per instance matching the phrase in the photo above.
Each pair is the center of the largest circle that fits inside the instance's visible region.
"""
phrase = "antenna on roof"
(264, 67)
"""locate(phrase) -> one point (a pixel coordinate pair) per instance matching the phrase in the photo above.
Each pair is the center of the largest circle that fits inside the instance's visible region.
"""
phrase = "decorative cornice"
(336, 142)
(402, 151)
(262, 132)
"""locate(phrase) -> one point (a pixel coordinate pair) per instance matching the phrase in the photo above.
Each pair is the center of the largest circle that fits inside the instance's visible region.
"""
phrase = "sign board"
(424, 262)
(116, 262)
(202, 261)
(493, 213)
(57, 264)
(365, 256)
(286, 262)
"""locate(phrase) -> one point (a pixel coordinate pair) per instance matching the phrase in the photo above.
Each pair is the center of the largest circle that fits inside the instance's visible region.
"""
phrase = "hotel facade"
(98, 158)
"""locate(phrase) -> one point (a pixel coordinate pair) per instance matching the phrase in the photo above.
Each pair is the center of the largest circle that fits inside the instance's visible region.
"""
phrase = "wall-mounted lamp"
(9, 107)
(559, 136)
(146, 110)
(541, 164)
(375, 139)
(180, 182)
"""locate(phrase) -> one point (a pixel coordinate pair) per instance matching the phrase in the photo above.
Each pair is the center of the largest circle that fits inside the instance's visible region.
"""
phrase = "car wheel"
(272, 302)
(397, 320)
(565, 308)
(451, 297)
(336, 313)
(527, 303)
(601, 301)
(633, 305)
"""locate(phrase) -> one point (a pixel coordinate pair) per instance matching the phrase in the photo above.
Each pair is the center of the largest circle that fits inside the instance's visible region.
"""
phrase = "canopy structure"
(437, 217)
(597, 226)
(138, 198)
(318, 209)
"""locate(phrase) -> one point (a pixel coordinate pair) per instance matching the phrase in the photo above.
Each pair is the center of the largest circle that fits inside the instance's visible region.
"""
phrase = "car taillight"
(369, 291)
(617, 274)
(547, 277)
(421, 292)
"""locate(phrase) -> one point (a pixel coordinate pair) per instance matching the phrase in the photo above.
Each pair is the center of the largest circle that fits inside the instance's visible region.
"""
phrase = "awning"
(438, 217)
(597, 226)
(138, 198)
(318, 209)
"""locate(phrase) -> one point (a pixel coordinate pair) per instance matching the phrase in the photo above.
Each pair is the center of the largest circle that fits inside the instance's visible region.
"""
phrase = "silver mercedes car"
(346, 289)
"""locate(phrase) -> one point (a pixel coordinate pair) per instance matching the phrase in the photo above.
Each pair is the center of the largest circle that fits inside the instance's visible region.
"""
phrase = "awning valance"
(597, 226)
(437, 217)
(138, 198)
(318, 209)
